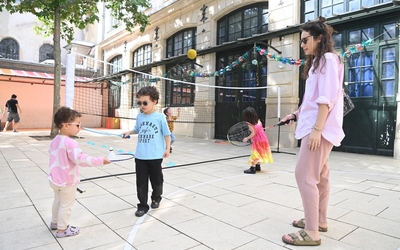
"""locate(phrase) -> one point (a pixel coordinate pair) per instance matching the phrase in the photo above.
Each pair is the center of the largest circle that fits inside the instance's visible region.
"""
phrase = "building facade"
(242, 43)
(222, 31)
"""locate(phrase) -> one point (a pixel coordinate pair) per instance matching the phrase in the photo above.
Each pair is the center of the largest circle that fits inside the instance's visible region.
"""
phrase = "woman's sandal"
(301, 224)
(70, 231)
(296, 241)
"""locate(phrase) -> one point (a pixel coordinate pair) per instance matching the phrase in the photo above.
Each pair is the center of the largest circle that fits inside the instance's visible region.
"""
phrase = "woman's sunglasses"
(304, 40)
(144, 103)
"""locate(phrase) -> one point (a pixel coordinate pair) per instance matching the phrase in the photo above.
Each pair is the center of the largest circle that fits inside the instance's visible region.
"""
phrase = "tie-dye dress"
(260, 149)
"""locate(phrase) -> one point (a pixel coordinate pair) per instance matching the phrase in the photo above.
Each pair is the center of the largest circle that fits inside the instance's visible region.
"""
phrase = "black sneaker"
(258, 167)
(170, 150)
(155, 204)
(251, 170)
(139, 213)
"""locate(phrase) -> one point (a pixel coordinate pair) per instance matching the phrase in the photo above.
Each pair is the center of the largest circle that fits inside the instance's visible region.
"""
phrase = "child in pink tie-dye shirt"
(66, 158)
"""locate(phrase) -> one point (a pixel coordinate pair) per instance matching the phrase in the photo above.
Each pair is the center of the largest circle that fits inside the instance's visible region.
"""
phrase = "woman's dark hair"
(65, 115)
(316, 29)
(250, 115)
(149, 91)
(165, 111)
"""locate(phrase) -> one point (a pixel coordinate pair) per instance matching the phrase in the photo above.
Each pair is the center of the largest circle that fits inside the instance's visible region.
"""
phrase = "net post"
(69, 81)
(279, 116)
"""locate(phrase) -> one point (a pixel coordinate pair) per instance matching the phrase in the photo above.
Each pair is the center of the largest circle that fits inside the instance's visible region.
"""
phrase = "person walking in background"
(320, 119)
(260, 149)
(66, 158)
(153, 145)
(171, 120)
(13, 108)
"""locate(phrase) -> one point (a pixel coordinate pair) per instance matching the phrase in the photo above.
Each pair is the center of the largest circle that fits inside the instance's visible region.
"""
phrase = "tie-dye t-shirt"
(66, 158)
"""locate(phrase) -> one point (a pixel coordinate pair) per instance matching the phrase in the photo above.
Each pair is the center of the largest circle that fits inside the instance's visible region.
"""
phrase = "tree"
(60, 17)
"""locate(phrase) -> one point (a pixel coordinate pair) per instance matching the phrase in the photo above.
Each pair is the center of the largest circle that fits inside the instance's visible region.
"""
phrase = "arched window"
(45, 52)
(9, 49)
(244, 22)
(142, 56)
(115, 64)
(181, 42)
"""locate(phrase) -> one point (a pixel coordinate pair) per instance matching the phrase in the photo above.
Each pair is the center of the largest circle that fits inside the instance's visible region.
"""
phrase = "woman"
(320, 119)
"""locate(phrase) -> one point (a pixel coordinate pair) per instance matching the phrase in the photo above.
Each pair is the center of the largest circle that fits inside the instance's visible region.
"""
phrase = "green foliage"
(78, 13)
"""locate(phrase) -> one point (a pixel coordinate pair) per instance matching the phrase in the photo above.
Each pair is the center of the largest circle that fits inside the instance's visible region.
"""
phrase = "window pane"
(309, 17)
(388, 88)
(368, 34)
(326, 12)
(367, 3)
(337, 39)
(354, 5)
(309, 6)
(354, 37)
(326, 3)
(337, 9)
(389, 31)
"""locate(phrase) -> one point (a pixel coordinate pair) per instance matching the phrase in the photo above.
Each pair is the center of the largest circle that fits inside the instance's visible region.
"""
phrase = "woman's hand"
(314, 141)
(289, 117)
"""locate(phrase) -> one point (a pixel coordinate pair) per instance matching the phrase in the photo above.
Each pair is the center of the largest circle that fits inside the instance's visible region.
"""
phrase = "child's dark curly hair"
(65, 115)
(250, 116)
(149, 91)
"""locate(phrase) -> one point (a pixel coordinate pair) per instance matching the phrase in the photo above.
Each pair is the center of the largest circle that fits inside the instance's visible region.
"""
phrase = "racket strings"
(237, 133)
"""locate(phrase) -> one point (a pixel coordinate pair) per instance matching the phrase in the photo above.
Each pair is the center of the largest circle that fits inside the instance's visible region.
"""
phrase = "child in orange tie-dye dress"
(260, 149)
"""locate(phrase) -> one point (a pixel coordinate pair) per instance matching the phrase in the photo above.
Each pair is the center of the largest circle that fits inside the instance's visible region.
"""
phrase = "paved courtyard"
(208, 202)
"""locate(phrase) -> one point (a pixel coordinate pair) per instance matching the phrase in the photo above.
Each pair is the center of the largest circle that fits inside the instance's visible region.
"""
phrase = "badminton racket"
(106, 133)
(237, 133)
(121, 157)
(281, 123)
(241, 130)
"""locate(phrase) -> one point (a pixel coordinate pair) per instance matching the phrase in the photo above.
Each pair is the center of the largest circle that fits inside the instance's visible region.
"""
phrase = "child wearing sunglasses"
(319, 126)
(66, 158)
(153, 145)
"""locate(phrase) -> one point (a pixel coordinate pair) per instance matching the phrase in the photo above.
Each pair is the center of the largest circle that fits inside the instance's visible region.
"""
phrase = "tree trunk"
(57, 69)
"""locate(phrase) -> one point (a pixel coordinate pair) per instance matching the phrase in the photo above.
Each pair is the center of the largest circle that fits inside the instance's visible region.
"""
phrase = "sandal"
(301, 224)
(70, 231)
(296, 241)
(53, 226)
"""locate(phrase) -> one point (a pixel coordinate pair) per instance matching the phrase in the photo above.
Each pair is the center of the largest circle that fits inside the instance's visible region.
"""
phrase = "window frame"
(317, 8)
(43, 52)
(115, 64)
(140, 53)
(181, 97)
(9, 48)
(173, 41)
(225, 23)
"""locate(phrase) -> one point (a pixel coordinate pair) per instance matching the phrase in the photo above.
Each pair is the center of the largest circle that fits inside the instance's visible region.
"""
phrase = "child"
(171, 119)
(153, 145)
(260, 150)
(66, 158)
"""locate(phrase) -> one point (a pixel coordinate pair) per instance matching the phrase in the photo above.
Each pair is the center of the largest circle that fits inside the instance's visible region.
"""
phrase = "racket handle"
(126, 137)
(285, 122)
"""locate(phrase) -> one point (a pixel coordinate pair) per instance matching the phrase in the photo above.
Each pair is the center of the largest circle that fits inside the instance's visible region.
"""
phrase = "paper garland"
(263, 52)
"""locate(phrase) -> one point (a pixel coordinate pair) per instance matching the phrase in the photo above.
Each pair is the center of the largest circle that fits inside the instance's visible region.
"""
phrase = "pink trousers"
(312, 176)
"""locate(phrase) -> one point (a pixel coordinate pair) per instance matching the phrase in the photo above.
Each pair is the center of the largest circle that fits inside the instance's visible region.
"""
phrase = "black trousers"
(145, 170)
